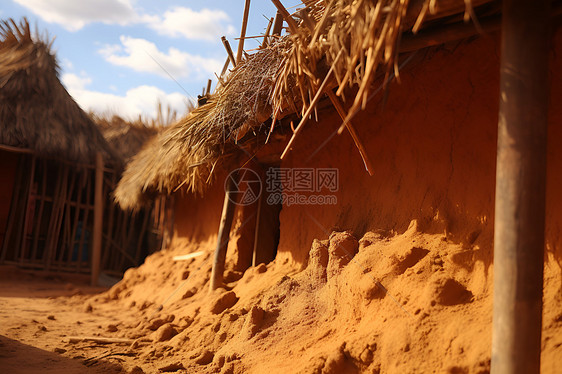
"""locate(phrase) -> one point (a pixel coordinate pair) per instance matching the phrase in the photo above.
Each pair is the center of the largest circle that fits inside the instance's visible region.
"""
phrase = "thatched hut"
(48, 149)
(126, 137)
(414, 85)
(248, 121)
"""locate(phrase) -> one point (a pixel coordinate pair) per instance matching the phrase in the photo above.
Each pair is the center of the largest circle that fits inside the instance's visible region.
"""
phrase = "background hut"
(48, 152)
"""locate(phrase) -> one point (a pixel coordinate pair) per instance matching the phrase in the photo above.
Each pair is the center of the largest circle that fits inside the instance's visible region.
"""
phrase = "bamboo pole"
(224, 232)
(520, 188)
(111, 217)
(98, 217)
(277, 24)
(49, 244)
(265, 41)
(311, 107)
(228, 51)
(87, 208)
(67, 228)
(28, 201)
(38, 225)
(243, 32)
(290, 21)
(358, 143)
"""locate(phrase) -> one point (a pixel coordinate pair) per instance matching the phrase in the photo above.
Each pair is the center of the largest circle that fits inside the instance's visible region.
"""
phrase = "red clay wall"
(433, 147)
(8, 167)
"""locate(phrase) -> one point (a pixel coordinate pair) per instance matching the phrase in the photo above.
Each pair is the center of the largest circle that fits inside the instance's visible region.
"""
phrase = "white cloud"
(137, 101)
(67, 63)
(205, 24)
(144, 56)
(76, 82)
(75, 14)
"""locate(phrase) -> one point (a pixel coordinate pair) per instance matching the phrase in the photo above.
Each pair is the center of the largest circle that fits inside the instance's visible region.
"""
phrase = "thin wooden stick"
(341, 111)
(228, 50)
(290, 21)
(87, 208)
(40, 214)
(27, 207)
(267, 31)
(209, 83)
(243, 31)
(49, 247)
(67, 228)
(111, 217)
(311, 106)
(188, 256)
(99, 339)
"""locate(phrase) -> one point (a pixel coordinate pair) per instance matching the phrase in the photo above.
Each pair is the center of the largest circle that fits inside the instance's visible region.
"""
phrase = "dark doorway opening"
(267, 231)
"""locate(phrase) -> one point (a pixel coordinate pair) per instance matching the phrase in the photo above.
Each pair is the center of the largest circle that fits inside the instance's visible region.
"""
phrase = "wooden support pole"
(26, 213)
(228, 51)
(520, 188)
(277, 24)
(243, 32)
(224, 232)
(209, 83)
(290, 21)
(98, 216)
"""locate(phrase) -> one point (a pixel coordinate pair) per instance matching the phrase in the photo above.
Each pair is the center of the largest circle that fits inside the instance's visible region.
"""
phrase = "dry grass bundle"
(126, 138)
(36, 111)
(366, 33)
(186, 153)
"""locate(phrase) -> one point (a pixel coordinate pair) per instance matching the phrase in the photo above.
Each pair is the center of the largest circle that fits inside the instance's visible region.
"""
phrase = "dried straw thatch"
(331, 44)
(187, 152)
(36, 111)
(127, 138)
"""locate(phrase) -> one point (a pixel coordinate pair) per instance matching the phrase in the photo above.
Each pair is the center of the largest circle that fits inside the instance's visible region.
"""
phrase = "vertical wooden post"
(224, 232)
(28, 201)
(98, 216)
(520, 188)
(243, 32)
(277, 24)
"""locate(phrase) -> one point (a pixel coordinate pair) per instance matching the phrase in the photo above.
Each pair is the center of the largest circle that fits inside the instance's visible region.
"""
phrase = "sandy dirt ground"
(388, 302)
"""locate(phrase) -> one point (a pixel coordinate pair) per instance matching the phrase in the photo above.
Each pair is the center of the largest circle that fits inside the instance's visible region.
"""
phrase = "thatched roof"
(126, 137)
(336, 44)
(36, 111)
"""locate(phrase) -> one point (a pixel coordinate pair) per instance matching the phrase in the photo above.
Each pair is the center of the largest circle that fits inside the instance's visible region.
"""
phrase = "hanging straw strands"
(184, 154)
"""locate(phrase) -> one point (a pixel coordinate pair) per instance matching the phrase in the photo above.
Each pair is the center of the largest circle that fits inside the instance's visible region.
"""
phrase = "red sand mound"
(407, 302)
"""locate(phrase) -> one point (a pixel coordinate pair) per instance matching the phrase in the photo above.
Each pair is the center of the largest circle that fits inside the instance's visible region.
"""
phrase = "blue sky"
(107, 48)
